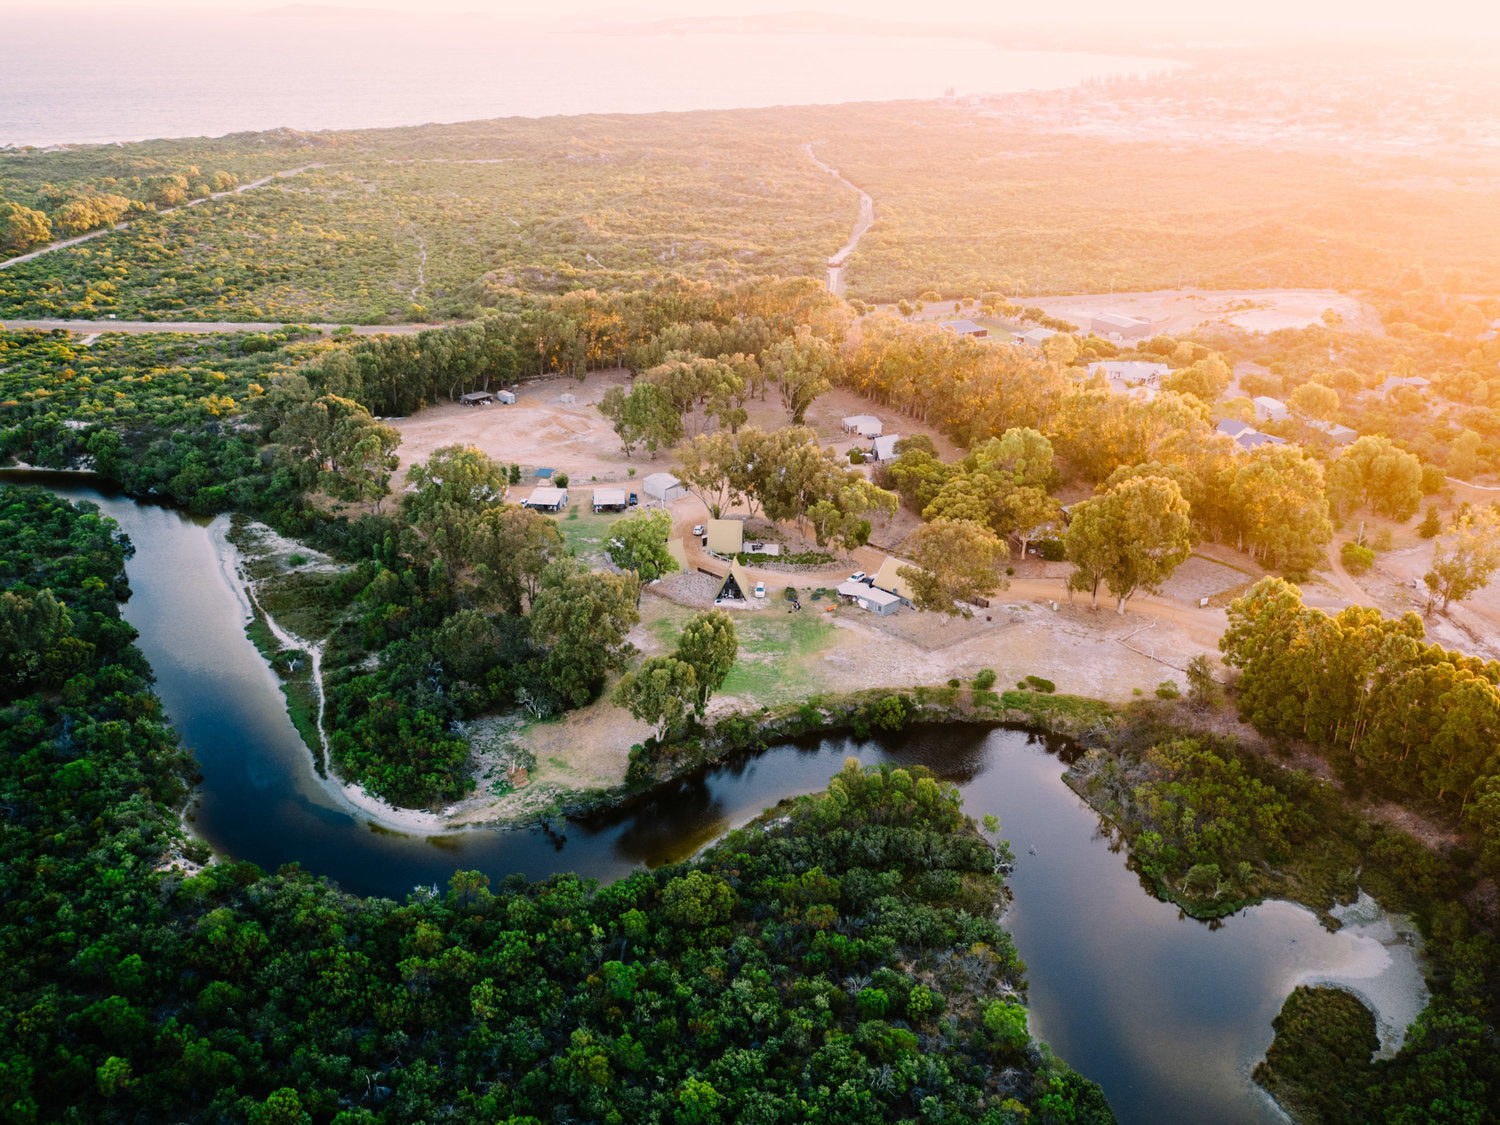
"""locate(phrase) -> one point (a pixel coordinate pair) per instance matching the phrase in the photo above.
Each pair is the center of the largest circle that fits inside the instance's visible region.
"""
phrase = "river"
(1168, 1014)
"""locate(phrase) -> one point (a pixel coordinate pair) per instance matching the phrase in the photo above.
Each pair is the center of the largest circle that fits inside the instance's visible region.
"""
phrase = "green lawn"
(586, 532)
(776, 648)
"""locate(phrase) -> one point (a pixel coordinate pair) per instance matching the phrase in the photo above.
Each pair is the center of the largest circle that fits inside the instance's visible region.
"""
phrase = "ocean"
(104, 77)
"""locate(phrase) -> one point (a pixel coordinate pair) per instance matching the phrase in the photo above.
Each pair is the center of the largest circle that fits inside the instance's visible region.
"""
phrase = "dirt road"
(861, 225)
(66, 242)
(199, 326)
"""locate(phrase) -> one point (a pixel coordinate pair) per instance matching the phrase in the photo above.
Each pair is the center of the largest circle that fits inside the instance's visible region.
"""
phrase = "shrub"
(1203, 689)
(984, 679)
(296, 560)
(560, 480)
(1036, 683)
(1168, 689)
(1356, 559)
(1051, 550)
(1432, 523)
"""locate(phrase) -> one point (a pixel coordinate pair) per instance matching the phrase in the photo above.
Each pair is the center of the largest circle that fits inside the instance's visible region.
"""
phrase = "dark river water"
(1168, 1014)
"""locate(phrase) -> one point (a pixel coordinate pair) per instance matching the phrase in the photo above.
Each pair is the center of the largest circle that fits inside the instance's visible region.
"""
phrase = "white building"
(546, 498)
(879, 602)
(1271, 409)
(664, 487)
(866, 425)
(610, 498)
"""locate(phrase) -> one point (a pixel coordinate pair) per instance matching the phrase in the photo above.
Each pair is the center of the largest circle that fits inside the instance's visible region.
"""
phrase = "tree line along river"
(1168, 1014)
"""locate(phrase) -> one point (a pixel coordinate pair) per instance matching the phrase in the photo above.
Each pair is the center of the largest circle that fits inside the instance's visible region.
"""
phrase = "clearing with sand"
(1031, 628)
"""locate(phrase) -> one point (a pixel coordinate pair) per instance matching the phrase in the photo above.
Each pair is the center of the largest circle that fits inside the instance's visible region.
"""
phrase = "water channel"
(1168, 1014)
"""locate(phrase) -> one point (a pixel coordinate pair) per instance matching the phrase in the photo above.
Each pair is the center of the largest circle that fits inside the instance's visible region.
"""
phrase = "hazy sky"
(1322, 19)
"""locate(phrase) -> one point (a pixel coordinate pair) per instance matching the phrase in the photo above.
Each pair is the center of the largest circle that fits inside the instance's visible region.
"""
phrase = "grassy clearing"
(586, 531)
(777, 650)
(294, 670)
(309, 604)
(1077, 710)
(776, 655)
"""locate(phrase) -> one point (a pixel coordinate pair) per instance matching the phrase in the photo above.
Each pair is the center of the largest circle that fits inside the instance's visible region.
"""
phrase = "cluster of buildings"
(882, 444)
(1246, 437)
(488, 398)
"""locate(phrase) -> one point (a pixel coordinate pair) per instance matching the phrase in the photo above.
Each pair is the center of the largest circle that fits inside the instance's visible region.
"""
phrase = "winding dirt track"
(51, 246)
(861, 225)
(203, 327)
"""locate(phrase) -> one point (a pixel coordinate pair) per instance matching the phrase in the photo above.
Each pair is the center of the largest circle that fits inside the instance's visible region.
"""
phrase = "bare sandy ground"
(539, 429)
(1030, 629)
(1174, 311)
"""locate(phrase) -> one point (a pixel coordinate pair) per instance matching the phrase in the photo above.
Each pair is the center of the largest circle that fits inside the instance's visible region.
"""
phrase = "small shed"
(1272, 409)
(1034, 337)
(887, 579)
(543, 474)
(1131, 371)
(885, 447)
(737, 585)
(1337, 435)
(866, 424)
(725, 537)
(966, 328)
(545, 498)
(613, 499)
(477, 398)
(664, 487)
(508, 397)
(882, 603)
(678, 550)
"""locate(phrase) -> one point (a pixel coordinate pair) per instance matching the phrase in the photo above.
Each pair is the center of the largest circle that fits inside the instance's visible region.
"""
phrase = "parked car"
(698, 530)
(859, 576)
(634, 499)
(760, 589)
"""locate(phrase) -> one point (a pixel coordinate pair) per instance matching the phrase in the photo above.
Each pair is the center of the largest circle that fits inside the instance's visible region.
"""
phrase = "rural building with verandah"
(612, 499)
(546, 498)
(966, 328)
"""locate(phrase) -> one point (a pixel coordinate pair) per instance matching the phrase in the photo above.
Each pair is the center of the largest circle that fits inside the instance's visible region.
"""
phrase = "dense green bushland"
(1397, 715)
(1429, 332)
(438, 221)
(397, 224)
(837, 965)
(966, 203)
(1213, 828)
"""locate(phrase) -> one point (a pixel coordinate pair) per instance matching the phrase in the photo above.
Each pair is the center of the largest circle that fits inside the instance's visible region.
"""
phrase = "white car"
(858, 576)
(698, 530)
(760, 589)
